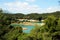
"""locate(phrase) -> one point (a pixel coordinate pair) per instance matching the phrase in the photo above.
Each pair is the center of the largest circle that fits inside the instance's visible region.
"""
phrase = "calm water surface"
(29, 27)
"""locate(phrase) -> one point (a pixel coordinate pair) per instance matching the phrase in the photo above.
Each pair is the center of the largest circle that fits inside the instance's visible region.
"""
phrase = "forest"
(49, 31)
(32, 15)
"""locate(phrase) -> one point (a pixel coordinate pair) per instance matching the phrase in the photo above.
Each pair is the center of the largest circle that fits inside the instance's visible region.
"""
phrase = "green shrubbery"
(50, 31)
(8, 32)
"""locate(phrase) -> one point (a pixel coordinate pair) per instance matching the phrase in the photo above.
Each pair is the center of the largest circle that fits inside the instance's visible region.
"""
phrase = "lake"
(28, 27)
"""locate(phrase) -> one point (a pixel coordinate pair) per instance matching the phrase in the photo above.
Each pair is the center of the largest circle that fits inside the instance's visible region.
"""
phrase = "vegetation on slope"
(50, 31)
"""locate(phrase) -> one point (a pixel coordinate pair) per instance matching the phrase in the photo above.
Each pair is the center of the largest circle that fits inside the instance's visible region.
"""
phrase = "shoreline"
(25, 28)
(30, 23)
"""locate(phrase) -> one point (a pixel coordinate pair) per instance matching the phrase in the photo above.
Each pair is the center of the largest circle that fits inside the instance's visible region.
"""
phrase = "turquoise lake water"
(29, 27)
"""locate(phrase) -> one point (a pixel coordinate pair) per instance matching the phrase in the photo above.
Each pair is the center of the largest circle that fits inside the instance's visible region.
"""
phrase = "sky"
(30, 6)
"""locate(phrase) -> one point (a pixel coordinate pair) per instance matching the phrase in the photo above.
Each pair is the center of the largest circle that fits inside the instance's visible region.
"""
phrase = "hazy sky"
(30, 6)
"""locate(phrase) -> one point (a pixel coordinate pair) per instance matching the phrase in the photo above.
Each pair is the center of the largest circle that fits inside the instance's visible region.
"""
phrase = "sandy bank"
(24, 28)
